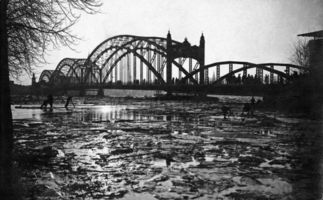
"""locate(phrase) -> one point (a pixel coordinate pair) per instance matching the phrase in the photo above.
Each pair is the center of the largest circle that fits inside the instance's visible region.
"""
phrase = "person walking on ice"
(47, 101)
(68, 100)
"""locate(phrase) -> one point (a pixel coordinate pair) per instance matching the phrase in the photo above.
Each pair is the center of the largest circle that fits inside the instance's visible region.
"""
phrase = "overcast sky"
(243, 30)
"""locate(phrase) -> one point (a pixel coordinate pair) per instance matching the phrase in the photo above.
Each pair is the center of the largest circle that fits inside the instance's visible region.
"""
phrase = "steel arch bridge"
(68, 71)
(116, 60)
(45, 76)
(136, 60)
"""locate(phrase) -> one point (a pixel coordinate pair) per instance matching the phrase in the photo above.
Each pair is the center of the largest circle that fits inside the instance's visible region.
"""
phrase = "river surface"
(112, 148)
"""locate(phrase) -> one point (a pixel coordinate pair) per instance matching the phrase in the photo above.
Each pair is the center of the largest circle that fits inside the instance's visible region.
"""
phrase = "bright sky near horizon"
(244, 30)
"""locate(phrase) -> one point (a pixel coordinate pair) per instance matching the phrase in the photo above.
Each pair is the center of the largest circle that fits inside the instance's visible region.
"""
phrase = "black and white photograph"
(161, 99)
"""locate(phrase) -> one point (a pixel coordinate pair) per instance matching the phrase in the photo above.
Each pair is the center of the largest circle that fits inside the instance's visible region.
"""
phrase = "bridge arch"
(68, 71)
(122, 40)
(45, 76)
(115, 48)
(147, 63)
(246, 66)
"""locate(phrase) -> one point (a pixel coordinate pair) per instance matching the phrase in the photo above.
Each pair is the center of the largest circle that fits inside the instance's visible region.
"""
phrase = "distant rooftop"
(315, 34)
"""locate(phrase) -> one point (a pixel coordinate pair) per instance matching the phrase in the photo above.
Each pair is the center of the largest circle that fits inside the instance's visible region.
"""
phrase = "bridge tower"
(169, 59)
(185, 50)
(203, 73)
(315, 48)
(33, 80)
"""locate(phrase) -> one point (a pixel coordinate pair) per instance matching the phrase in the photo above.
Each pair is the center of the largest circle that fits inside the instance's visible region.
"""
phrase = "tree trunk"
(6, 134)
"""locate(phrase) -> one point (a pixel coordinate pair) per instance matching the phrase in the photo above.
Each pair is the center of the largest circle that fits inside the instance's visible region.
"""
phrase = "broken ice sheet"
(120, 151)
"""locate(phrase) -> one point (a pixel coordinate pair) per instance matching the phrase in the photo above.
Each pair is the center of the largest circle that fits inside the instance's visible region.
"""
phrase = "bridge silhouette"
(136, 62)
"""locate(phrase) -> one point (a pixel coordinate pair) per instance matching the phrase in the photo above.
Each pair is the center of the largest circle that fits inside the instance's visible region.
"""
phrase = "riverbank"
(302, 97)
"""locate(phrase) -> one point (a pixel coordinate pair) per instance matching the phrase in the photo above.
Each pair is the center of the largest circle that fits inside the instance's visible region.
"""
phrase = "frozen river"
(145, 149)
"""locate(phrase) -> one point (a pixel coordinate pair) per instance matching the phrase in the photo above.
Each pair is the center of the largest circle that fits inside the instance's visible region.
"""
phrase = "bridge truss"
(136, 60)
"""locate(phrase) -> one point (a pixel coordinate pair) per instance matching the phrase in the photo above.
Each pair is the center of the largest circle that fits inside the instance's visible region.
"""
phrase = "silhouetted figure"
(169, 159)
(246, 108)
(226, 111)
(249, 108)
(68, 100)
(47, 101)
(252, 101)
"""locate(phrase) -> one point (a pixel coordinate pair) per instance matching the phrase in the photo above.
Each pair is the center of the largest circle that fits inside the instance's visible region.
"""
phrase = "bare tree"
(34, 26)
(27, 29)
(301, 53)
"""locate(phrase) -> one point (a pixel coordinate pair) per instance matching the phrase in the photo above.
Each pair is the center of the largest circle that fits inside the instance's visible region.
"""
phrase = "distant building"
(316, 52)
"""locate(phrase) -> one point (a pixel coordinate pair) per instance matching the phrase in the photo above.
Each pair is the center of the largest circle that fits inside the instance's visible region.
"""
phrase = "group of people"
(49, 101)
(248, 108)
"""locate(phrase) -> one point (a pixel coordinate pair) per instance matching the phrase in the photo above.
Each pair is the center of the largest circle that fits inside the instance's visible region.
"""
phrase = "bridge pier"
(271, 75)
(148, 71)
(202, 60)
(100, 92)
(245, 72)
(134, 69)
(141, 71)
(287, 70)
(260, 74)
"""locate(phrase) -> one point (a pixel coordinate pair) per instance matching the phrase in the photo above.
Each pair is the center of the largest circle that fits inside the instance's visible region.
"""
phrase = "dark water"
(119, 150)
